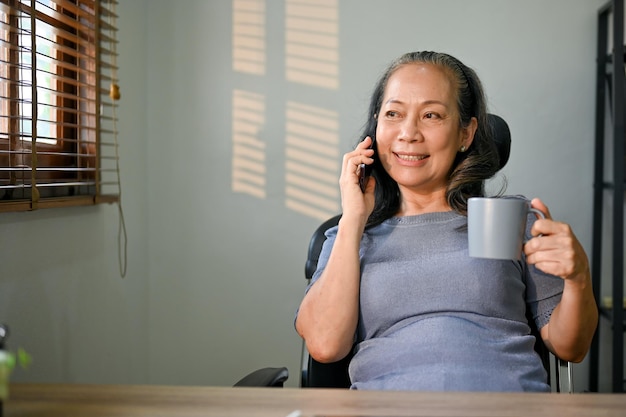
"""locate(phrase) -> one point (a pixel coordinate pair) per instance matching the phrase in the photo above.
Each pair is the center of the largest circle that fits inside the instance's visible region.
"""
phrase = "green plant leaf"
(23, 358)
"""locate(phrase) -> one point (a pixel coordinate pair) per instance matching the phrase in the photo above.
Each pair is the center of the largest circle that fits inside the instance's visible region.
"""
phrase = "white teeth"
(412, 157)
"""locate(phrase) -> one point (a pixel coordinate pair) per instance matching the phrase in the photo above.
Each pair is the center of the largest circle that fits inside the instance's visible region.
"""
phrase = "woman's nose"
(410, 131)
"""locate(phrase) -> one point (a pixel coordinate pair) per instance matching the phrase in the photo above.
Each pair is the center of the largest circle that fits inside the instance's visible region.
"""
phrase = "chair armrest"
(264, 377)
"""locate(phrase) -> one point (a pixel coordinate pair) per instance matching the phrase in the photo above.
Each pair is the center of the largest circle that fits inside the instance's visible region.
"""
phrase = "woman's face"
(418, 133)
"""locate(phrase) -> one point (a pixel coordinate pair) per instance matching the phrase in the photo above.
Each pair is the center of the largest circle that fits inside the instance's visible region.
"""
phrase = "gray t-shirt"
(432, 318)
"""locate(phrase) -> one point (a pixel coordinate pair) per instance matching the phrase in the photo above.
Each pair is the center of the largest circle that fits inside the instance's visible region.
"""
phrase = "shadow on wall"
(311, 164)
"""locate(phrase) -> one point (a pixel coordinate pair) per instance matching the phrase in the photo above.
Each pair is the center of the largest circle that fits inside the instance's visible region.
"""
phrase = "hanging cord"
(114, 93)
(122, 237)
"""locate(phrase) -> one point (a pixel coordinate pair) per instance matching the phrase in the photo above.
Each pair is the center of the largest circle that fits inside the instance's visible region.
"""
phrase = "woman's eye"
(431, 115)
(391, 113)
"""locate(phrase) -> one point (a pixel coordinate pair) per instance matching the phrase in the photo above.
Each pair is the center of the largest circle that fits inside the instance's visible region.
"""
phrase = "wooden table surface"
(68, 400)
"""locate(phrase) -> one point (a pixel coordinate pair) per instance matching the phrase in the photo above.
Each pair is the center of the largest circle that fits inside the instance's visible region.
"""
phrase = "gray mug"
(496, 226)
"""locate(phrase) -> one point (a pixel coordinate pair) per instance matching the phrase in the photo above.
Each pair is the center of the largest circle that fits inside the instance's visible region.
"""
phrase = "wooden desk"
(52, 400)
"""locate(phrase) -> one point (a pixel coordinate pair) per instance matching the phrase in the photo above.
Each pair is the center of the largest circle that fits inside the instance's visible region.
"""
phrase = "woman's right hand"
(355, 202)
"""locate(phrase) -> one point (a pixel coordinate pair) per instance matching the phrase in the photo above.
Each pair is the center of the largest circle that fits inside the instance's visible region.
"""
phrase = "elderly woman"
(395, 282)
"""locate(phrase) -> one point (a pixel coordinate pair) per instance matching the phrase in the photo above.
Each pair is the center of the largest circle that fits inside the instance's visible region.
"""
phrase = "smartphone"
(365, 170)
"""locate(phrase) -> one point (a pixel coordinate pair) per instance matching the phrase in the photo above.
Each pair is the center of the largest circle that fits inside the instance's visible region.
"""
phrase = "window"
(58, 93)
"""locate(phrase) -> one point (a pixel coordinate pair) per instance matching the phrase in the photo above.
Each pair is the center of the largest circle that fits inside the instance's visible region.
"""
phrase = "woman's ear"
(468, 132)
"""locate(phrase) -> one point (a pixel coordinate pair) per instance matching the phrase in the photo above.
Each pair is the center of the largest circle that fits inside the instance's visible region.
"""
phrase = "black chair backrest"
(501, 136)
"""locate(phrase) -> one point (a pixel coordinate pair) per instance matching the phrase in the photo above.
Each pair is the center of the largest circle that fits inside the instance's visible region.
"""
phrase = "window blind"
(58, 88)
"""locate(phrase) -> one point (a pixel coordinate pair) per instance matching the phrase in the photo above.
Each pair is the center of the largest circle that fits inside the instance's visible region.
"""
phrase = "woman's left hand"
(554, 249)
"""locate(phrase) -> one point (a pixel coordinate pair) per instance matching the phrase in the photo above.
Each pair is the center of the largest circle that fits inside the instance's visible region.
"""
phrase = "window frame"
(69, 172)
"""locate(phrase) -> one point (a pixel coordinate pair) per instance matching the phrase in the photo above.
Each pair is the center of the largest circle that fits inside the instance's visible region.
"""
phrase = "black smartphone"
(365, 170)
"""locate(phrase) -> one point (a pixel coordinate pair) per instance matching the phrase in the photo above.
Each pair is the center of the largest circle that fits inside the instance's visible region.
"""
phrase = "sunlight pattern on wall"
(249, 45)
(312, 42)
(249, 155)
(311, 137)
(312, 160)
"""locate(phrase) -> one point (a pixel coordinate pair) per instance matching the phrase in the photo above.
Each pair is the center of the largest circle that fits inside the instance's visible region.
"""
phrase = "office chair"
(315, 374)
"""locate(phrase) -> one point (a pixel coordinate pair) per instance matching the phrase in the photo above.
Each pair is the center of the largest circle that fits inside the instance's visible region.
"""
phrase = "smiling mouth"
(412, 157)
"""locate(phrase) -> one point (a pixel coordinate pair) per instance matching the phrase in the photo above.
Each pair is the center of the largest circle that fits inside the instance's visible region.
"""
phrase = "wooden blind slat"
(59, 99)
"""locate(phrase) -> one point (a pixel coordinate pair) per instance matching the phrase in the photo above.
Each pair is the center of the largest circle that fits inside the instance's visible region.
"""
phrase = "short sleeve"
(322, 261)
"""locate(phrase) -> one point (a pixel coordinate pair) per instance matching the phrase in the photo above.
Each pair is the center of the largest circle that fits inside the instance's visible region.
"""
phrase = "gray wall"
(214, 276)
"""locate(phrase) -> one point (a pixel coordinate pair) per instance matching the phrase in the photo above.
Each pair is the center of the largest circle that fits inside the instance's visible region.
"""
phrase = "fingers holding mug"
(557, 251)
(537, 204)
(544, 225)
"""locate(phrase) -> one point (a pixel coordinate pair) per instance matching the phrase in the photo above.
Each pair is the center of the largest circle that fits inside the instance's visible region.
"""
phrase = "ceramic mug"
(496, 226)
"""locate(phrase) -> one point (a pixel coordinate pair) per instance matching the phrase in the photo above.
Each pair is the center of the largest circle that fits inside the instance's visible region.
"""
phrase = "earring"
(462, 148)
